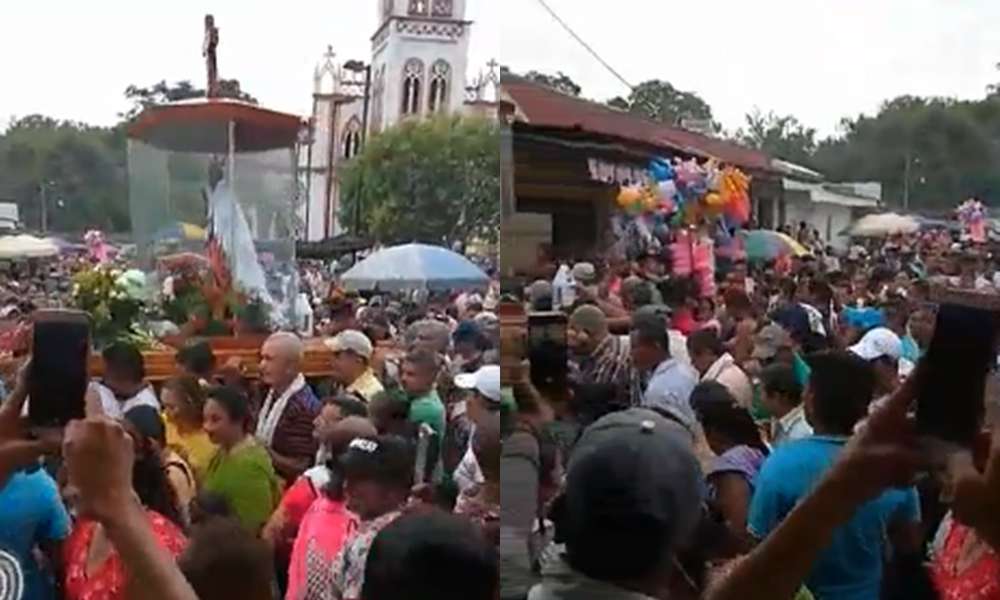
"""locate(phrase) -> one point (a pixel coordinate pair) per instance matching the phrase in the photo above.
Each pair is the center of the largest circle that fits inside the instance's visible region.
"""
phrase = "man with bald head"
(285, 424)
(598, 356)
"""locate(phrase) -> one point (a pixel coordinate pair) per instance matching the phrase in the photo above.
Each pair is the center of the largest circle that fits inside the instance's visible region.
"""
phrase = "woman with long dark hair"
(94, 570)
(740, 451)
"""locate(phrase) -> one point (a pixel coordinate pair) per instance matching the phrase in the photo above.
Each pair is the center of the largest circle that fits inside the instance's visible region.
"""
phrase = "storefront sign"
(617, 173)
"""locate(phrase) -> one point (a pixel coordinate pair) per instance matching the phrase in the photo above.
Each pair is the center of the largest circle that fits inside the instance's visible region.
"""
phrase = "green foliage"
(162, 93)
(81, 167)
(432, 181)
(660, 101)
(946, 149)
(560, 82)
(782, 137)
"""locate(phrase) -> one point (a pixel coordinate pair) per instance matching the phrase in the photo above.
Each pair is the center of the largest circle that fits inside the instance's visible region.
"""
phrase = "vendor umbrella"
(884, 225)
(26, 246)
(764, 244)
(180, 232)
(415, 267)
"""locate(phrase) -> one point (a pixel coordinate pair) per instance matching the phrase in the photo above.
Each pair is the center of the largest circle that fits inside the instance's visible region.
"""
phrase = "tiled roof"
(542, 106)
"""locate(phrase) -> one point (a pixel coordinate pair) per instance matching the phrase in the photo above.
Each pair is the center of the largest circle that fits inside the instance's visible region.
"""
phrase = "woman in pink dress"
(327, 523)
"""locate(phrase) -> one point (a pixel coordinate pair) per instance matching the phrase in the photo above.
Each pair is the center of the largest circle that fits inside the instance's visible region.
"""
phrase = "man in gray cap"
(540, 296)
(352, 355)
(598, 355)
(632, 498)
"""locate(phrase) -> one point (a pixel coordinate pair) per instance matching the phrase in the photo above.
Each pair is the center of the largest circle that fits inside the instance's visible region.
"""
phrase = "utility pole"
(906, 180)
(45, 208)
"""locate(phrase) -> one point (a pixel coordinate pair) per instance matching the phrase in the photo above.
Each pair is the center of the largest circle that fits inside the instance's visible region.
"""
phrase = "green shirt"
(429, 409)
(245, 478)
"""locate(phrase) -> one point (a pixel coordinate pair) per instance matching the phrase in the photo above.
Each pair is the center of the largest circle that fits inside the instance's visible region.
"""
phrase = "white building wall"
(828, 219)
(401, 36)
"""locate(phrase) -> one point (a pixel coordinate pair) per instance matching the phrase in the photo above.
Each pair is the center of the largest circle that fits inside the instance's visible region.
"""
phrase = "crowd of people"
(753, 441)
(382, 477)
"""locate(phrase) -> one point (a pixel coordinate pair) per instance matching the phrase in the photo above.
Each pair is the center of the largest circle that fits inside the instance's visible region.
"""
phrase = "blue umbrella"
(415, 267)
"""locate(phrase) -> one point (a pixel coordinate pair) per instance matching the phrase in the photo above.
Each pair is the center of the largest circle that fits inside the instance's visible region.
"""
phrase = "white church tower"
(419, 62)
(420, 56)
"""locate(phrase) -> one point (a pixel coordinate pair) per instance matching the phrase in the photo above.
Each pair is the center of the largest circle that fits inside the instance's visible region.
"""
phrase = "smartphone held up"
(962, 353)
(57, 379)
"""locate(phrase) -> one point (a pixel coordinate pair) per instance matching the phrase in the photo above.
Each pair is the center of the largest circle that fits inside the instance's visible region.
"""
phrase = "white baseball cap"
(351, 340)
(485, 381)
(878, 343)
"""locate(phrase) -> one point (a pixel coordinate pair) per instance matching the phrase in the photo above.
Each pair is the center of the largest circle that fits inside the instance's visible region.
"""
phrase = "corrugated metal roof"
(823, 194)
(542, 106)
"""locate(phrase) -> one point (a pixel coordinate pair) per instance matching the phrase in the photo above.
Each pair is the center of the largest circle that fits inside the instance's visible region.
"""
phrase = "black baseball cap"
(633, 482)
(431, 555)
(387, 459)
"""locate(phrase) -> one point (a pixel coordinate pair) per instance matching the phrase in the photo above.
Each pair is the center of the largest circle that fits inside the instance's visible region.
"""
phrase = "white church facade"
(418, 68)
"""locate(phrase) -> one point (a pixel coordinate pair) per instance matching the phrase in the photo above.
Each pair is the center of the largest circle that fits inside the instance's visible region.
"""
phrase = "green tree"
(162, 93)
(560, 82)
(79, 170)
(935, 152)
(782, 137)
(433, 181)
(660, 101)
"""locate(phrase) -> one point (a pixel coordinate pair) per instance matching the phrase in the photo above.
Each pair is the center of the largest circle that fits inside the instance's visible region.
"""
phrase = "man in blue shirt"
(32, 516)
(670, 381)
(840, 388)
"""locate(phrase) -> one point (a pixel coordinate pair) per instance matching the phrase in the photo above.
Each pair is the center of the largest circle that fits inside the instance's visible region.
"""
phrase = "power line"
(587, 46)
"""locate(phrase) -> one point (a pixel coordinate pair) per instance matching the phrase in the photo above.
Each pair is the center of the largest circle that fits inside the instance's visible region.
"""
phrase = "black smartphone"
(950, 406)
(57, 381)
(547, 349)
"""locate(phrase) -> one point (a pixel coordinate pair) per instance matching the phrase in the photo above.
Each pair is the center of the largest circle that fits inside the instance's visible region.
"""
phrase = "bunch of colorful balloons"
(688, 192)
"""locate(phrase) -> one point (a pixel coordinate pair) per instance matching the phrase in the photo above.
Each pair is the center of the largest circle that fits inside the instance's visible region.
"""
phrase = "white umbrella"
(883, 225)
(415, 267)
(26, 246)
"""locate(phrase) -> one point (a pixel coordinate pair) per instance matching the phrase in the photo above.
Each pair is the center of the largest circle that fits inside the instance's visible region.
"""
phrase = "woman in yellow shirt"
(183, 400)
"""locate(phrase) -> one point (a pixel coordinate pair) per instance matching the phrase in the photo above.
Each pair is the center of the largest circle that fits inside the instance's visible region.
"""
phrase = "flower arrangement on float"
(678, 210)
(117, 303)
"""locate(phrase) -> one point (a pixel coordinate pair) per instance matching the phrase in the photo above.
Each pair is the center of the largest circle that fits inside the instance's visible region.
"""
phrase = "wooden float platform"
(161, 365)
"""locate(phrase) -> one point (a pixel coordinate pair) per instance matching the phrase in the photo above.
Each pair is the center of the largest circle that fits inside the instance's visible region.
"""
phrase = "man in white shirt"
(781, 395)
(123, 385)
(709, 357)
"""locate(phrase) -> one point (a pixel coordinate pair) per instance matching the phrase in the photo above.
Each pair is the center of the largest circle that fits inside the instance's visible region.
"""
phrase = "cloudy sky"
(73, 58)
(817, 59)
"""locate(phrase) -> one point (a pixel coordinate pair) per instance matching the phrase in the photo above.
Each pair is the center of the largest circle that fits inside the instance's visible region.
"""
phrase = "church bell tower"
(419, 60)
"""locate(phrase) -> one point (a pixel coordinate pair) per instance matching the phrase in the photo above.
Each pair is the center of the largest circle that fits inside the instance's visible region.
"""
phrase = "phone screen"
(950, 403)
(57, 382)
(547, 348)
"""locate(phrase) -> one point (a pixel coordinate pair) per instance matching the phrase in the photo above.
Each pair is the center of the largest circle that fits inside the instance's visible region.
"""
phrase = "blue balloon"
(661, 170)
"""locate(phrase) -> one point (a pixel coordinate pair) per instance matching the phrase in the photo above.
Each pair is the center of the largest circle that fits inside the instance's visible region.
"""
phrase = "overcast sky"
(817, 59)
(73, 59)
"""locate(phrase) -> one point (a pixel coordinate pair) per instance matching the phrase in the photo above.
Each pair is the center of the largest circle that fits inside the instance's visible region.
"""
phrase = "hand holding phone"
(950, 403)
(57, 380)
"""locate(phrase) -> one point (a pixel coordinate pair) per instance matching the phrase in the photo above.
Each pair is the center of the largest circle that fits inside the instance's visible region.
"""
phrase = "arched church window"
(420, 7)
(440, 84)
(413, 82)
(352, 139)
(442, 8)
(378, 101)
